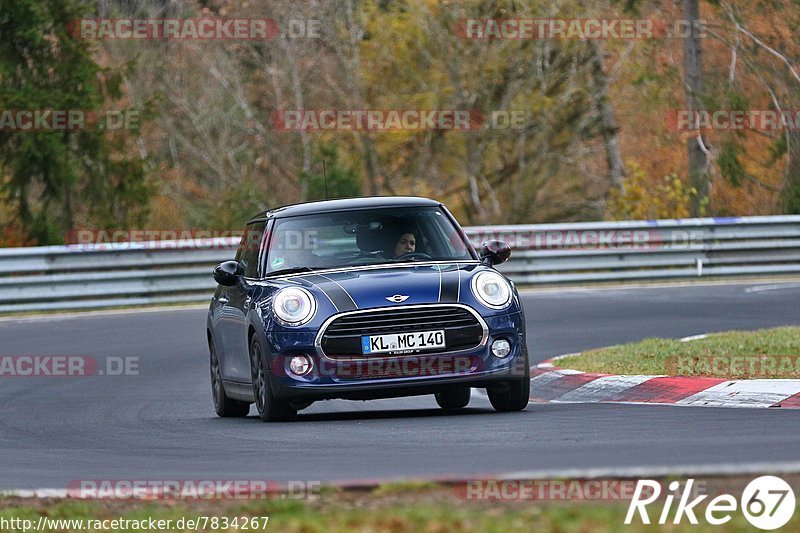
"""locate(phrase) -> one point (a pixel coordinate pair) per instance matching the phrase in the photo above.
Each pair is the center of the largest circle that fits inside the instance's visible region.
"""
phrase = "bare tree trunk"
(790, 195)
(371, 160)
(693, 81)
(473, 169)
(609, 129)
(299, 102)
(355, 34)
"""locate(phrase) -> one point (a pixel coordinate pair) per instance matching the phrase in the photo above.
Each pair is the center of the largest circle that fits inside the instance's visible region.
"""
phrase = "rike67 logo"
(767, 502)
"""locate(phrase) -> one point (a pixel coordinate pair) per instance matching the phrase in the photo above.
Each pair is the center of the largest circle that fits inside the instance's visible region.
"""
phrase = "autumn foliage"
(593, 141)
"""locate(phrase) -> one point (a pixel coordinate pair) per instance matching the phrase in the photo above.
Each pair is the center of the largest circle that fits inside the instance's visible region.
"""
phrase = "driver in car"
(405, 244)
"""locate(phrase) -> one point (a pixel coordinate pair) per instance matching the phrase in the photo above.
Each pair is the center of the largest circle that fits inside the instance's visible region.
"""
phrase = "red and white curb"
(560, 385)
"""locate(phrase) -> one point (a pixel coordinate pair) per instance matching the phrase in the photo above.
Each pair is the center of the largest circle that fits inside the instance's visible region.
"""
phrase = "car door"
(235, 303)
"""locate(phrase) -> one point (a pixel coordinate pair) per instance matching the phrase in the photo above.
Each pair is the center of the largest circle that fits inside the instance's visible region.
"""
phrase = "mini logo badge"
(397, 298)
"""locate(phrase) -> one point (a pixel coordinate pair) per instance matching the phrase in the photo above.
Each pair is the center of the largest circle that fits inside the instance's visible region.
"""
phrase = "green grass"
(401, 487)
(766, 353)
(433, 511)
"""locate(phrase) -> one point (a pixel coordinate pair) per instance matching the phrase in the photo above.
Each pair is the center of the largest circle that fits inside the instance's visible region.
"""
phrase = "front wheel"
(224, 406)
(515, 396)
(454, 398)
(270, 409)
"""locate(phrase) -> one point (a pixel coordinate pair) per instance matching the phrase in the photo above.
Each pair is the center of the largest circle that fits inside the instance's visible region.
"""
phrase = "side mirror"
(228, 273)
(494, 252)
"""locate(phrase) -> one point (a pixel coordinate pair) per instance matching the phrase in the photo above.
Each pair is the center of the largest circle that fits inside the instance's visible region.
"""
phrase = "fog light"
(300, 365)
(501, 348)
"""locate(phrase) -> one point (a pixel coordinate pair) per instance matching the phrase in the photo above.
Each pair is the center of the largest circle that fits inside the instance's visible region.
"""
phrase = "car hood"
(406, 284)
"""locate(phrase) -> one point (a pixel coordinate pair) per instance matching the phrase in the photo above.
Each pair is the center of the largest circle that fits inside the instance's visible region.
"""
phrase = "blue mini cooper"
(360, 299)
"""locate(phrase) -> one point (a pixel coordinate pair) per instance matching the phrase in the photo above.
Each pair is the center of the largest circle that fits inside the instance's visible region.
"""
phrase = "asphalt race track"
(160, 424)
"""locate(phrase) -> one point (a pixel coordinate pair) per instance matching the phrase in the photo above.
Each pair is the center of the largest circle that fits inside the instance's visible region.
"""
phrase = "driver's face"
(406, 244)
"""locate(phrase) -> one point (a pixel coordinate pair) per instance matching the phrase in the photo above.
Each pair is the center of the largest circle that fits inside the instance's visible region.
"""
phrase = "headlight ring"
(492, 290)
(294, 306)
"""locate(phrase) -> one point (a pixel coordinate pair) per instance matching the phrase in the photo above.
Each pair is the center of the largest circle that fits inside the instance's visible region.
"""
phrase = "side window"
(249, 248)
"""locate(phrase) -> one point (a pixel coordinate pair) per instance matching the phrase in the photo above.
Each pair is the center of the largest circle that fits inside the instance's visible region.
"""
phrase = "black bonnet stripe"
(340, 297)
(450, 290)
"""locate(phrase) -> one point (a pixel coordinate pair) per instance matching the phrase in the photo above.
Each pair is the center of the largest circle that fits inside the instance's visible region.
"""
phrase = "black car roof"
(344, 204)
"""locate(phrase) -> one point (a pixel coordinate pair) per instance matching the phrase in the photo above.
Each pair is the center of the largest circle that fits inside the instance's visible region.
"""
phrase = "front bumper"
(369, 377)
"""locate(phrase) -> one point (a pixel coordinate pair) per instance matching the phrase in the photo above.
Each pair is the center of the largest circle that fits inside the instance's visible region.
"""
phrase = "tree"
(607, 120)
(54, 180)
(763, 73)
(791, 191)
(333, 180)
(693, 85)
(551, 167)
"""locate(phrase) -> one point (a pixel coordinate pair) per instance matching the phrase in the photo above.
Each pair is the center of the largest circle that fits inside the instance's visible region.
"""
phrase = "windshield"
(365, 237)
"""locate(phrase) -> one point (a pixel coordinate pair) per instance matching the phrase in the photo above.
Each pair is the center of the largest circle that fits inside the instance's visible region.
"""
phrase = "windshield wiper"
(292, 270)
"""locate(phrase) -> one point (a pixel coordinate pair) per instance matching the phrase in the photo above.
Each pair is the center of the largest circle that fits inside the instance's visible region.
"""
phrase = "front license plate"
(402, 342)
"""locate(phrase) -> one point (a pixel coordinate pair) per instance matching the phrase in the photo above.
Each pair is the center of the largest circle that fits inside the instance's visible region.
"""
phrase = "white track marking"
(546, 378)
(745, 393)
(694, 337)
(601, 388)
(779, 287)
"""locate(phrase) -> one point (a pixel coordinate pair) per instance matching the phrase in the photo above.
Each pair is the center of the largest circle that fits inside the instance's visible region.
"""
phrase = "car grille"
(462, 330)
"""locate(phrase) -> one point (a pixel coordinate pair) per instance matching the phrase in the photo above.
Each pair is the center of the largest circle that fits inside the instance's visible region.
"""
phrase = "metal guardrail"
(108, 275)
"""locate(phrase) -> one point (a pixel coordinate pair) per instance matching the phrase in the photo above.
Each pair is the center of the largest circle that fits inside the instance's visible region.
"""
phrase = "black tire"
(454, 398)
(269, 408)
(515, 396)
(223, 406)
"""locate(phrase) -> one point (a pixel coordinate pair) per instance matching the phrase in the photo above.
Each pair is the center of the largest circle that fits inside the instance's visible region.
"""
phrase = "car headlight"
(492, 290)
(294, 306)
